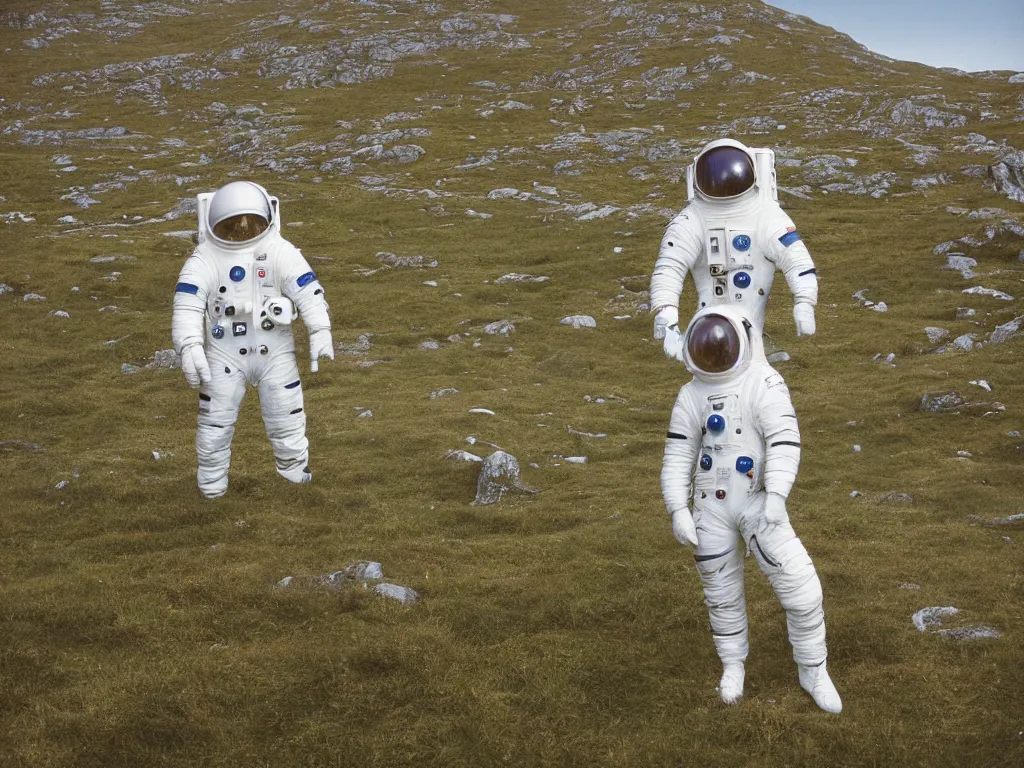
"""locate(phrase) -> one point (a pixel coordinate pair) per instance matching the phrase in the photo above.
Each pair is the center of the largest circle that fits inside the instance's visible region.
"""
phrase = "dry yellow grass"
(141, 624)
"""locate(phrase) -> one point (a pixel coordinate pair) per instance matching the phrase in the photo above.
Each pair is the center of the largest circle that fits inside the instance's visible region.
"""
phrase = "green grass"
(141, 623)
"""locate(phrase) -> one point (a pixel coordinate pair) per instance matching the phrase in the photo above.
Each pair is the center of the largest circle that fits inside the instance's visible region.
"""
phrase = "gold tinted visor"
(241, 228)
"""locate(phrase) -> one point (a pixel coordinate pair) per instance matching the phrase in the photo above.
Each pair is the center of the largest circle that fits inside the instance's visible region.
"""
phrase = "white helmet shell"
(235, 199)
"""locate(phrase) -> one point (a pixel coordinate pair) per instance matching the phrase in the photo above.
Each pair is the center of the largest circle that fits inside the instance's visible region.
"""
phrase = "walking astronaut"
(731, 237)
(731, 457)
(234, 303)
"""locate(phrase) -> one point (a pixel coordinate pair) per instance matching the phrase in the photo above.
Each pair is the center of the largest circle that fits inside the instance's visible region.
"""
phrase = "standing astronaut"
(731, 237)
(734, 434)
(234, 303)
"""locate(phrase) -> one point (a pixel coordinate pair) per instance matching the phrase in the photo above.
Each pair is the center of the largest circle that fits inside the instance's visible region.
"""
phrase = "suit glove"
(195, 366)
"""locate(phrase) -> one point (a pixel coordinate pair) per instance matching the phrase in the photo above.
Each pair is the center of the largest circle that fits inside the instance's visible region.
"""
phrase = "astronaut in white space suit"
(234, 303)
(731, 237)
(731, 457)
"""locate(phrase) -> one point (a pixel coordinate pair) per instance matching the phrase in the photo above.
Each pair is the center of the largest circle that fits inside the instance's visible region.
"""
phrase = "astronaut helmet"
(240, 213)
(724, 170)
(717, 344)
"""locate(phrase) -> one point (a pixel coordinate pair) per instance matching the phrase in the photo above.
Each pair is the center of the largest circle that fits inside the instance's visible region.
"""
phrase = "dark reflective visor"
(724, 172)
(239, 229)
(713, 344)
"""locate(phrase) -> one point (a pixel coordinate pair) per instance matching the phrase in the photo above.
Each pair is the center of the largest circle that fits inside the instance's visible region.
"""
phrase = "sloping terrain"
(446, 166)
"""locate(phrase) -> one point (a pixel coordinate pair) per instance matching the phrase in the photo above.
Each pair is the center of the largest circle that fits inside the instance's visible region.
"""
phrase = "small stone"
(460, 455)
(499, 474)
(779, 357)
(579, 321)
(855, 494)
(576, 459)
(431, 283)
(963, 312)
(1013, 433)
(935, 335)
(367, 414)
(33, 297)
(429, 344)
(62, 484)
(499, 328)
(964, 454)
(880, 307)
(856, 449)
(927, 618)
(937, 402)
(62, 314)
(981, 383)
(404, 595)
(909, 585)
(439, 393)
(970, 633)
(127, 369)
(484, 411)
(19, 445)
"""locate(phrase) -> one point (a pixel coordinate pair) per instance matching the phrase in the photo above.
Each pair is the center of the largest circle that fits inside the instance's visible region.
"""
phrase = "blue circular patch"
(741, 243)
(237, 274)
(705, 462)
(217, 331)
(744, 464)
(741, 280)
(715, 423)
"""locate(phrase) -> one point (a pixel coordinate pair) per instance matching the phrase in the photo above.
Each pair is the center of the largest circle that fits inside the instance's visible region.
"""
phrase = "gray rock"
(979, 291)
(127, 369)
(961, 263)
(19, 445)
(165, 358)
(33, 297)
(935, 402)
(579, 321)
(1010, 520)
(969, 633)
(404, 595)
(928, 618)
(1007, 330)
(393, 261)
(499, 474)
(499, 328)
(1008, 176)
(430, 344)
(367, 414)
(935, 335)
(62, 314)
(461, 455)
(439, 393)
(516, 277)
(779, 357)
(964, 312)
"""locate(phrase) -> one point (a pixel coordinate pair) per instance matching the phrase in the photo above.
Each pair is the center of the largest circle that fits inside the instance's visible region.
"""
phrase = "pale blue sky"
(972, 35)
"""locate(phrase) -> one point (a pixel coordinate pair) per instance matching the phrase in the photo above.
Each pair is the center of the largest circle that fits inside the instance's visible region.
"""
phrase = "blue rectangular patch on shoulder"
(306, 279)
(789, 238)
(186, 288)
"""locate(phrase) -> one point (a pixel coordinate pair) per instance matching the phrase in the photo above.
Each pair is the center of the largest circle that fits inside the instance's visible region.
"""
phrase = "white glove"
(666, 316)
(774, 510)
(320, 345)
(803, 314)
(673, 344)
(194, 365)
(683, 528)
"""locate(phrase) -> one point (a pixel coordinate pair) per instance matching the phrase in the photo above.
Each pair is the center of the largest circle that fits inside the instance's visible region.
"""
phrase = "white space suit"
(731, 457)
(731, 237)
(233, 306)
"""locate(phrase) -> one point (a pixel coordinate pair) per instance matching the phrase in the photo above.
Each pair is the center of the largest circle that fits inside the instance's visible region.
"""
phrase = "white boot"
(815, 681)
(303, 475)
(730, 687)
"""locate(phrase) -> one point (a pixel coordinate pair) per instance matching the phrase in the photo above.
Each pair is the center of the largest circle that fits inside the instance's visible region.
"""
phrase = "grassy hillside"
(142, 624)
